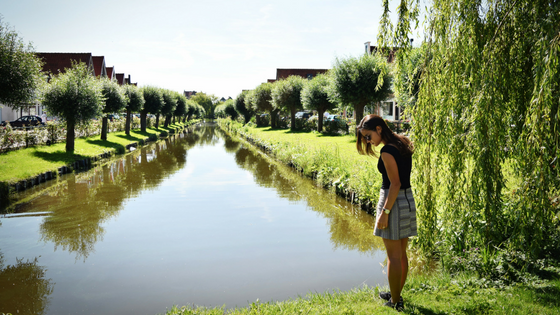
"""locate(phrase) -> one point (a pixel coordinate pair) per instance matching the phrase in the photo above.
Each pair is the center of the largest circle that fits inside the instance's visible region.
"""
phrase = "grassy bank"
(436, 293)
(332, 161)
(25, 163)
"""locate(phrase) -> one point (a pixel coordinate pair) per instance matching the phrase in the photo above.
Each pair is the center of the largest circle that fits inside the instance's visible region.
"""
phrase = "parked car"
(112, 117)
(23, 121)
(303, 115)
(334, 117)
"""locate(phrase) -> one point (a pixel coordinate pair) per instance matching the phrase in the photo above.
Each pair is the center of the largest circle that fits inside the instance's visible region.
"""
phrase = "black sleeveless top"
(404, 163)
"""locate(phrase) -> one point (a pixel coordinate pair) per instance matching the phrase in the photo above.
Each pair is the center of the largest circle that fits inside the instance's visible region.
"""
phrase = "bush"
(336, 126)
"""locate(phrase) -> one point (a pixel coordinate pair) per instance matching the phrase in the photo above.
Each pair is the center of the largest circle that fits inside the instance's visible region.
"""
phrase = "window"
(387, 108)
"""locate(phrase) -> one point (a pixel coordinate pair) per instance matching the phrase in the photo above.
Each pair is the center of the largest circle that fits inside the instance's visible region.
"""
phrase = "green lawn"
(22, 164)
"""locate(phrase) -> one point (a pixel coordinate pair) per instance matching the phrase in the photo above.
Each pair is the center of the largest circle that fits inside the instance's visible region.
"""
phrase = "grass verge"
(25, 163)
(434, 293)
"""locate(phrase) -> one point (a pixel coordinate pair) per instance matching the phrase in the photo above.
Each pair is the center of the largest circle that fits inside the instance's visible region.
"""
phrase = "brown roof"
(120, 78)
(305, 73)
(110, 73)
(56, 63)
(99, 66)
(188, 94)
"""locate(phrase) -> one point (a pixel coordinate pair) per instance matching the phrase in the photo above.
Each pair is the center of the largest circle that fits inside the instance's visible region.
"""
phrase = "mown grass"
(433, 293)
(25, 163)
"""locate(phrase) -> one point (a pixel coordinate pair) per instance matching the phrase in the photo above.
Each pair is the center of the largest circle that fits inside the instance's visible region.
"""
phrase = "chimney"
(368, 45)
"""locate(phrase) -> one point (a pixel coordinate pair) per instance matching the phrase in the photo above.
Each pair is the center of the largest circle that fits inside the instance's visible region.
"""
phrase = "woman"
(396, 210)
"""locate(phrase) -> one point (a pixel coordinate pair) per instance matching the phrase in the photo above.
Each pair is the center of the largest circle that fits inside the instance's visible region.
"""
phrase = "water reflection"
(146, 231)
(350, 227)
(24, 287)
(78, 207)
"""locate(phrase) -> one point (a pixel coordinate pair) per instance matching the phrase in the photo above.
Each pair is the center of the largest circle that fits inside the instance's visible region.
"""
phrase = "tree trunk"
(359, 108)
(143, 115)
(320, 117)
(70, 136)
(166, 121)
(157, 121)
(127, 125)
(104, 128)
(293, 118)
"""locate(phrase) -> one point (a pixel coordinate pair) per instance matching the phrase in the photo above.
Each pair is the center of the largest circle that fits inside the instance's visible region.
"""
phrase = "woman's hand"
(382, 220)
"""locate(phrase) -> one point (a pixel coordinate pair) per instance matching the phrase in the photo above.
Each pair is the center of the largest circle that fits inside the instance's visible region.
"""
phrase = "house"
(304, 73)
(189, 94)
(99, 69)
(111, 73)
(120, 78)
(55, 63)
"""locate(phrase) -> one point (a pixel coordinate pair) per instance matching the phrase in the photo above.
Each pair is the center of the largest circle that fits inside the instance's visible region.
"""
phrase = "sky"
(211, 46)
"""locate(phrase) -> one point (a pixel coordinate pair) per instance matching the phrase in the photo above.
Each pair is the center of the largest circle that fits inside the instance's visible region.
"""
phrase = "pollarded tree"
(242, 107)
(134, 104)
(152, 105)
(286, 96)
(361, 81)
(169, 105)
(76, 96)
(115, 102)
(207, 101)
(229, 109)
(315, 96)
(20, 70)
(261, 101)
(182, 107)
(191, 109)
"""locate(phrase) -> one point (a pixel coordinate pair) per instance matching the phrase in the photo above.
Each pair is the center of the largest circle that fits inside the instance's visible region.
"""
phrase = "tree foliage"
(242, 107)
(76, 96)
(169, 105)
(361, 81)
(20, 70)
(134, 103)
(115, 102)
(260, 100)
(316, 96)
(286, 96)
(207, 101)
(182, 106)
(153, 102)
(486, 127)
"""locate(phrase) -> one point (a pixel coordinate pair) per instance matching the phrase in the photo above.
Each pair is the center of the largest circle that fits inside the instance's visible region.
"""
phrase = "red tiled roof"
(305, 73)
(110, 74)
(120, 78)
(56, 63)
(99, 66)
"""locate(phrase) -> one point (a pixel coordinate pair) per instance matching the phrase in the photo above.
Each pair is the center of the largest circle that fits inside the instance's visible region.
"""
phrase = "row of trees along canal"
(483, 95)
(353, 81)
(77, 96)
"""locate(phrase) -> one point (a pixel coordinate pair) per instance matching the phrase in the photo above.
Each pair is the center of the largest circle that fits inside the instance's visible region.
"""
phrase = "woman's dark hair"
(370, 122)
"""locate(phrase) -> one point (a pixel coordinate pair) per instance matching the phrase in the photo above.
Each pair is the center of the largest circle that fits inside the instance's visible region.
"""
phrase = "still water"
(199, 219)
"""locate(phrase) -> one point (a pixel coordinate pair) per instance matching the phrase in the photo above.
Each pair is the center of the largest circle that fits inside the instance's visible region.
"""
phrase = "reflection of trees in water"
(24, 287)
(80, 205)
(350, 227)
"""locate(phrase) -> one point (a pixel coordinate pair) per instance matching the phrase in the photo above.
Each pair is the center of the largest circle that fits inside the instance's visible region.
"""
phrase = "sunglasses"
(368, 138)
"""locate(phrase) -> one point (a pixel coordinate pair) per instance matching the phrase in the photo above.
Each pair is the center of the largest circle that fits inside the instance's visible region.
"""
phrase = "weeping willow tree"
(486, 124)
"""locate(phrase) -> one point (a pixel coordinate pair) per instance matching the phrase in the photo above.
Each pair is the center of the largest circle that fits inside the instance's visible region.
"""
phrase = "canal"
(197, 219)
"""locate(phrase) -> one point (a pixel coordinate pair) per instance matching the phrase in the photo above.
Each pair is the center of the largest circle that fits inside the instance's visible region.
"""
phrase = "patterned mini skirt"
(402, 219)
